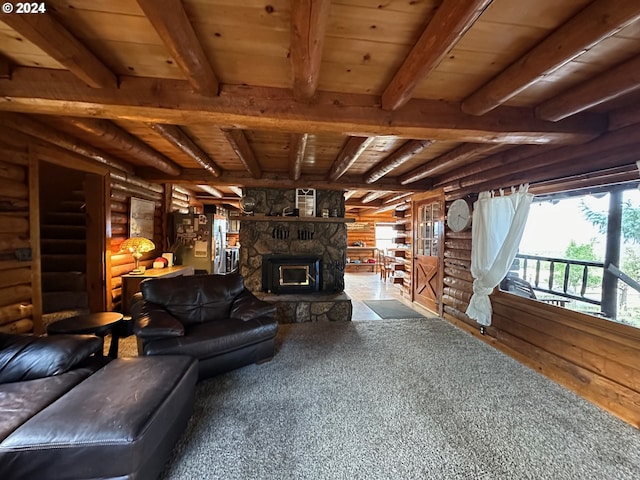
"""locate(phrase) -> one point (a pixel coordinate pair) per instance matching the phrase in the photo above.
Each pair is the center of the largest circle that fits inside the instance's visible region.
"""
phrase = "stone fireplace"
(296, 262)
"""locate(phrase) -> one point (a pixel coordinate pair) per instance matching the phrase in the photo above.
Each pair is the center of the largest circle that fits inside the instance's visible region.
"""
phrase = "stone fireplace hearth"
(268, 235)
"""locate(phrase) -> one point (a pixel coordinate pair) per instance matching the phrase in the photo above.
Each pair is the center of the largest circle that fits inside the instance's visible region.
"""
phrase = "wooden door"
(427, 259)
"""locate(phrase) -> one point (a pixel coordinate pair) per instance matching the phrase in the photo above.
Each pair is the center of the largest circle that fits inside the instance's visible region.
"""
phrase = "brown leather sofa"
(213, 318)
(67, 412)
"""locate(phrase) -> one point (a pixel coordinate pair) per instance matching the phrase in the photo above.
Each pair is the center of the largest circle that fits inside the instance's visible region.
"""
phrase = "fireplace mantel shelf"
(266, 218)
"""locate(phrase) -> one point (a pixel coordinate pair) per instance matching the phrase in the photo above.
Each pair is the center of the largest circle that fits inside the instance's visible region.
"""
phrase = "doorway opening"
(71, 267)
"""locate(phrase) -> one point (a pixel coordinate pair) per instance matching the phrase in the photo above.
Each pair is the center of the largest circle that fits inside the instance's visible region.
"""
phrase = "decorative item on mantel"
(247, 205)
(136, 246)
(305, 232)
(306, 201)
(280, 232)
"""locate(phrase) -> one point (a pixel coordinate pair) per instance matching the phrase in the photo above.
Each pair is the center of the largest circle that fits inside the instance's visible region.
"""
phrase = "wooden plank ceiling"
(376, 98)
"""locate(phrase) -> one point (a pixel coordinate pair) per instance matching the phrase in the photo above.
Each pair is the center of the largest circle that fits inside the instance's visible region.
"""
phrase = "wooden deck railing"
(547, 285)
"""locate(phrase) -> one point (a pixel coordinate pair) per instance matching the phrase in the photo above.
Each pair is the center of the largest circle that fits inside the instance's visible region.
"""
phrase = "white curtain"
(498, 223)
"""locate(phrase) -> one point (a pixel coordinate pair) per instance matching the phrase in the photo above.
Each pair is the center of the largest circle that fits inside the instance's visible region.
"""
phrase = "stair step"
(63, 231)
(65, 218)
(64, 263)
(72, 205)
(62, 245)
(64, 282)
(57, 301)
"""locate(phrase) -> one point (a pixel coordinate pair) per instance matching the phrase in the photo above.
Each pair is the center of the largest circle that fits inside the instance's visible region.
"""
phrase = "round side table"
(99, 324)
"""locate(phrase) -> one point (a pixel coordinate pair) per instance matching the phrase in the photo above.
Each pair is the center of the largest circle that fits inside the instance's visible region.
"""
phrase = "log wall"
(122, 189)
(20, 301)
(368, 236)
(596, 358)
(19, 276)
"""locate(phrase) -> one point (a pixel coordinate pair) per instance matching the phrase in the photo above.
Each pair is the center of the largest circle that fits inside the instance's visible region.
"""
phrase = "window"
(384, 236)
(428, 230)
(563, 251)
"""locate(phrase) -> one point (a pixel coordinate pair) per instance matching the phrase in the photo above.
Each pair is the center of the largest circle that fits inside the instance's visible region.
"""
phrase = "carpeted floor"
(409, 399)
(390, 309)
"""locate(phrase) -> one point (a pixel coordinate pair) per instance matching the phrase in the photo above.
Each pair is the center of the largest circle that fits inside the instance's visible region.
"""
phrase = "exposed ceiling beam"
(179, 139)
(397, 197)
(608, 147)
(53, 38)
(297, 147)
(397, 158)
(553, 171)
(183, 190)
(371, 196)
(458, 156)
(236, 190)
(211, 190)
(30, 126)
(232, 202)
(238, 141)
(623, 117)
(277, 180)
(599, 20)
(500, 159)
(386, 208)
(600, 179)
(308, 26)
(449, 23)
(5, 67)
(357, 203)
(348, 194)
(157, 101)
(613, 83)
(222, 199)
(170, 20)
(124, 141)
(351, 150)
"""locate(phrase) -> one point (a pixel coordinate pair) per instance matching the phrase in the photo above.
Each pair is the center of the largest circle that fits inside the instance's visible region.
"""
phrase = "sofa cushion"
(194, 299)
(154, 321)
(215, 338)
(19, 401)
(27, 357)
(247, 306)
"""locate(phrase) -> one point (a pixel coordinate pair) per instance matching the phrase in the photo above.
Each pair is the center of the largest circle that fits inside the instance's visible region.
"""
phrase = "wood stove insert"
(291, 273)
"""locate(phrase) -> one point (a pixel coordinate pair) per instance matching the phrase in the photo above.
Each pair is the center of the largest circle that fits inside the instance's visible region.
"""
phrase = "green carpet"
(391, 309)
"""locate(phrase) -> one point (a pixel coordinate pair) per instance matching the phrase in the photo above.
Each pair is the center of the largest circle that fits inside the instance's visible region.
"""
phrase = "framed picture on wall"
(141, 215)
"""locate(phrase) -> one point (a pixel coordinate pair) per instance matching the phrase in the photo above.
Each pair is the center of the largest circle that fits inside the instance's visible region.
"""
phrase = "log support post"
(612, 255)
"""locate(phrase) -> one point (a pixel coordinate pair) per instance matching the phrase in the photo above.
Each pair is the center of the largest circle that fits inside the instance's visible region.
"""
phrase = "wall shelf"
(363, 254)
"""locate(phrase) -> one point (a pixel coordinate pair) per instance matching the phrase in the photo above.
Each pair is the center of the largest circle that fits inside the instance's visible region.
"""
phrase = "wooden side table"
(99, 324)
(131, 282)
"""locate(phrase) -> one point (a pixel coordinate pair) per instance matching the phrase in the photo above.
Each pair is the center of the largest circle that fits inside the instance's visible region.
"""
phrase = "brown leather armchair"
(213, 318)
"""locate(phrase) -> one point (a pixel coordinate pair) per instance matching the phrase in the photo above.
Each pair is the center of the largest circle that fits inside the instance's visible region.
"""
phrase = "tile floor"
(362, 286)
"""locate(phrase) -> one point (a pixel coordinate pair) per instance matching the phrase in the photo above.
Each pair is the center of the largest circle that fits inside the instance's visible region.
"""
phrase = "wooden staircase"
(63, 262)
